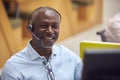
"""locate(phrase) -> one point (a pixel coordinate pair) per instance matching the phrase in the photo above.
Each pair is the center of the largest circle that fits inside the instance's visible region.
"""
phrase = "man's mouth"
(48, 38)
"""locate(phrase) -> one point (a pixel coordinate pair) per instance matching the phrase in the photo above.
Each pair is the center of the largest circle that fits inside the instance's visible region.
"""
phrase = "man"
(112, 31)
(41, 59)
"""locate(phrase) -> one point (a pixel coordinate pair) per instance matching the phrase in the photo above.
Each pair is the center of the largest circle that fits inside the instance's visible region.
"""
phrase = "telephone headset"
(30, 28)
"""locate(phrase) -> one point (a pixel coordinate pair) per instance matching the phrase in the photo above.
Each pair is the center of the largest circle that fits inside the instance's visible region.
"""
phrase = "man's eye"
(43, 26)
(55, 26)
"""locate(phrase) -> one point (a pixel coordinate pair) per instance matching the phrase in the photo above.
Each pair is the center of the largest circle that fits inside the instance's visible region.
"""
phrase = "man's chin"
(45, 45)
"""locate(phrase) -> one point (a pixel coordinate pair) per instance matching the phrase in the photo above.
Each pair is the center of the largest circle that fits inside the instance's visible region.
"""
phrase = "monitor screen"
(101, 64)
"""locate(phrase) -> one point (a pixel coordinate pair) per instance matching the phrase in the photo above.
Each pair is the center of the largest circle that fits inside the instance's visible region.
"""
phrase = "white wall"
(110, 7)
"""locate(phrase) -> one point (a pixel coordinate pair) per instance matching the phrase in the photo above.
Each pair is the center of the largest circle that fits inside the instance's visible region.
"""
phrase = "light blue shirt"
(27, 65)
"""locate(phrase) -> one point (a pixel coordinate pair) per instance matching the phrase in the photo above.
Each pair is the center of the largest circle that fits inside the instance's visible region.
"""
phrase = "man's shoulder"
(64, 50)
(68, 54)
(61, 48)
(17, 56)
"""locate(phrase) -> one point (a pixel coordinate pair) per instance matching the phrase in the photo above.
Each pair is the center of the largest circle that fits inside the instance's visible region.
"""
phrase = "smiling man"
(41, 59)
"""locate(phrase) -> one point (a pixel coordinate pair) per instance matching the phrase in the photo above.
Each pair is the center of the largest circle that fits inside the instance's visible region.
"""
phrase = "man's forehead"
(47, 12)
(44, 12)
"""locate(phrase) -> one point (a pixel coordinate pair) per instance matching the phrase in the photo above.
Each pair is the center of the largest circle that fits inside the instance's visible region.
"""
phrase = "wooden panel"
(66, 26)
(33, 4)
(94, 11)
(4, 50)
(93, 16)
(82, 13)
(6, 27)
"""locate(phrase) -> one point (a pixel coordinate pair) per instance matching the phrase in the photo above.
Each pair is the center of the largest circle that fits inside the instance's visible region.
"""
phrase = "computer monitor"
(101, 64)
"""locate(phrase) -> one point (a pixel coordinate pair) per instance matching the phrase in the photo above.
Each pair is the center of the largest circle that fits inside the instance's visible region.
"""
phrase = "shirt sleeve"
(78, 71)
(9, 72)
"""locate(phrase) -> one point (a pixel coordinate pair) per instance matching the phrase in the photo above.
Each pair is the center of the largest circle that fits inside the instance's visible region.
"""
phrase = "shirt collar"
(34, 54)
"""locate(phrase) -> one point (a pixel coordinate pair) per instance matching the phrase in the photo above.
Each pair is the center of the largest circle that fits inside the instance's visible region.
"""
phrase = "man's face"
(47, 28)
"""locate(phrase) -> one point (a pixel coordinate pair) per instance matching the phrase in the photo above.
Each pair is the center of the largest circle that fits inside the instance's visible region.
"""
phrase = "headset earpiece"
(30, 27)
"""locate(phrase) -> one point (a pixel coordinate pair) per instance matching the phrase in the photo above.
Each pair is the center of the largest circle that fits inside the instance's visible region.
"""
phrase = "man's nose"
(49, 29)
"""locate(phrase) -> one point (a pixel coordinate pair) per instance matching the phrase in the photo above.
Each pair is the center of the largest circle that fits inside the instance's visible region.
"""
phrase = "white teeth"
(48, 38)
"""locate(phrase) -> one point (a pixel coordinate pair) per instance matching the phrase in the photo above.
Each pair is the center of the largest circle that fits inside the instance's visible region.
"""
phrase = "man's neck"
(46, 52)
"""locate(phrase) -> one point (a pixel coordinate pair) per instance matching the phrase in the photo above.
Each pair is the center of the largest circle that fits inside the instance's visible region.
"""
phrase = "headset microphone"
(30, 29)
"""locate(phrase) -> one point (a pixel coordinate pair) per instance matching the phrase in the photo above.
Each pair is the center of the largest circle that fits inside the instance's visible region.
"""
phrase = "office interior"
(81, 19)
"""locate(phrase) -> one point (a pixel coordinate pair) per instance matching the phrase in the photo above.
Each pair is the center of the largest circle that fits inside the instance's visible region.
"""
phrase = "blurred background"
(81, 19)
